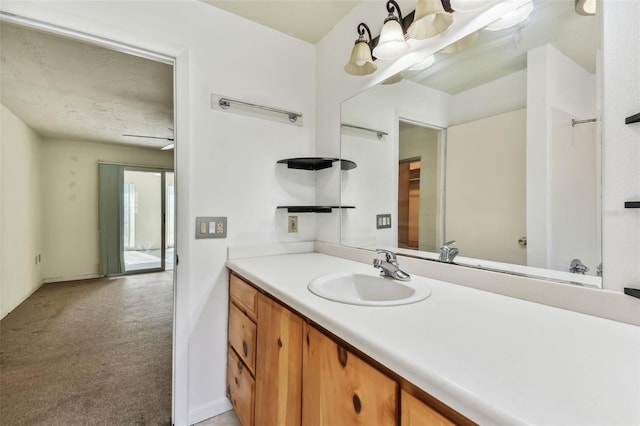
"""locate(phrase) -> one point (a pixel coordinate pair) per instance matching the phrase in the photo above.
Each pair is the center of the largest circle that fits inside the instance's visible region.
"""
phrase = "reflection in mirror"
(483, 148)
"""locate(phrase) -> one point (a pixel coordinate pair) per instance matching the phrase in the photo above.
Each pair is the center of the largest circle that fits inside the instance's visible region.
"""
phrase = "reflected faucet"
(577, 267)
(389, 268)
(448, 253)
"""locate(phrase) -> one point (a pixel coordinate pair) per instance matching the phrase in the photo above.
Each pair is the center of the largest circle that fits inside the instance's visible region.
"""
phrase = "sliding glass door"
(147, 228)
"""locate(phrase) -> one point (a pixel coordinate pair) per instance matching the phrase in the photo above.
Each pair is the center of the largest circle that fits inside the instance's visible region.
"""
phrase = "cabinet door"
(279, 365)
(341, 389)
(417, 413)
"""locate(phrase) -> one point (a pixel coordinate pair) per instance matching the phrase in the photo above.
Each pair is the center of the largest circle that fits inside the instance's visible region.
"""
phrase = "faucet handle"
(391, 256)
(448, 243)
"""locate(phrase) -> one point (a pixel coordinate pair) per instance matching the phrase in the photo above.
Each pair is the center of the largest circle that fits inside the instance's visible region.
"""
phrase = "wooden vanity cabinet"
(282, 370)
(340, 388)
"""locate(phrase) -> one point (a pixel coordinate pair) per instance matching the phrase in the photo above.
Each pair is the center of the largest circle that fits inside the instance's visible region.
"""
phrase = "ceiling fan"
(164, 148)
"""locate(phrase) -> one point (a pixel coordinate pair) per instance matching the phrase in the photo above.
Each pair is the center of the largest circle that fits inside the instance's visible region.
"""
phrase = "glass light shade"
(468, 5)
(423, 64)
(462, 44)
(511, 19)
(361, 62)
(430, 19)
(586, 7)
(392, 43)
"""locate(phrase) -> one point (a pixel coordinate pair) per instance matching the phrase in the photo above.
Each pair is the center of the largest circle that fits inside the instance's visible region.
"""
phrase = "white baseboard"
(207, 411)
(71, 278)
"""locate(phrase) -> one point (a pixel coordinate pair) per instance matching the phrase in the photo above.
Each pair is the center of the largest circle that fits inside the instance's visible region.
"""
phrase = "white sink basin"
(370, 290)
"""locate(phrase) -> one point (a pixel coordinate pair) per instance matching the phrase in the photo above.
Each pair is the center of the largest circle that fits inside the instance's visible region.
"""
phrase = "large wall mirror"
(495, 145)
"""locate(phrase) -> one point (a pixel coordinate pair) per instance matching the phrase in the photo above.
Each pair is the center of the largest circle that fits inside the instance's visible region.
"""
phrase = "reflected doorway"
(409, 204)
(149, 217)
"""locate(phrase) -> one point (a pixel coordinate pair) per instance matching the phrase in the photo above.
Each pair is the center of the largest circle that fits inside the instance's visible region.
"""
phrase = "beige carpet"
(91, 352)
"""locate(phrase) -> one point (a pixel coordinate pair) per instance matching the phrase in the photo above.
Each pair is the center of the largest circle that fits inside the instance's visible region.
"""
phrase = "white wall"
(561, 206)
(21, 242)
(620, 144)
(225, 162)
(485, 209)
(70, 202)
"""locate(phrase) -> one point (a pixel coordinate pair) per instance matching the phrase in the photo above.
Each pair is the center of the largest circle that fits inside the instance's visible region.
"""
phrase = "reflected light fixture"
(462, 44)
(586, 7)
(430, 19)
(423, 64)
(396, 78)
(391, 44)
(511, 19)
(361, 62)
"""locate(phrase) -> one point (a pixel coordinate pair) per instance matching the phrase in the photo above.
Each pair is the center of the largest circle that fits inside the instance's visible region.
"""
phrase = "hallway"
(90, 352)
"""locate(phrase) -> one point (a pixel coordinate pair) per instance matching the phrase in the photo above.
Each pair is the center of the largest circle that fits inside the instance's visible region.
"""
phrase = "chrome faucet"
(577, 267)
(389, 268)
(448, 253)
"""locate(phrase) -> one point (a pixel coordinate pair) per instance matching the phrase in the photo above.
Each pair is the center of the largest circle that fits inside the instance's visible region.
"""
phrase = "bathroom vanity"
(460, 356)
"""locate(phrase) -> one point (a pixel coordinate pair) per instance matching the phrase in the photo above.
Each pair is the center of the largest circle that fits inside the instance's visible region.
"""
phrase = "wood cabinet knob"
(245, 349)
(279, 343)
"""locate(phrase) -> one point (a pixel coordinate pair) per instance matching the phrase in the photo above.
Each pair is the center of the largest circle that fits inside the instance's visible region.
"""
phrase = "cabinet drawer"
(242, 336)
(240, 389)
(243, 295)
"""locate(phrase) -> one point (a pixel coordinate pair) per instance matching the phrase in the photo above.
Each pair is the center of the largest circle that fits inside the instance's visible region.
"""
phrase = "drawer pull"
(245, 348)
(279, 343)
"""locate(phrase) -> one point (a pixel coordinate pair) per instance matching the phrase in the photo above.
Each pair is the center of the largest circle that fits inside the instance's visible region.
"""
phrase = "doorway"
(149, 217)
(420, 186)
(409, 203)
(77, 170)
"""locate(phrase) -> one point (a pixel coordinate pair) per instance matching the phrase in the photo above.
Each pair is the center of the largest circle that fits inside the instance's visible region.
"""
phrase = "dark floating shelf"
(347, 165)
(632, 204)
(313, 209)
(316, 163)
(633, 292)
(632, 119)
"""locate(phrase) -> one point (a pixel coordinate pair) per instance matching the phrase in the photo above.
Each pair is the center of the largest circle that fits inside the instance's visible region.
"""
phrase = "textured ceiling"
(308, 20)
(66, 89)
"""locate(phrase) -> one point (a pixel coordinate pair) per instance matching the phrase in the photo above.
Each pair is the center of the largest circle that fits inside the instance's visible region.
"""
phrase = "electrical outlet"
(293, 224)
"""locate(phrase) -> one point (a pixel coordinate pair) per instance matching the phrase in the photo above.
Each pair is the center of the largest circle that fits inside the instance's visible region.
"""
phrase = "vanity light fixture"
(511, 19)
(430, 19)
(586, 7)
(361, 62)
(392, 43)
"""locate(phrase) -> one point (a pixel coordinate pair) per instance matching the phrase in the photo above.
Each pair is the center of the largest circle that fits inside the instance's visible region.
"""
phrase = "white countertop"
(495, 359)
